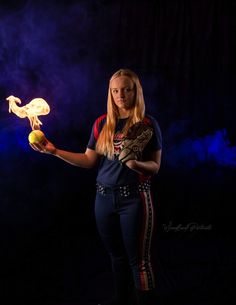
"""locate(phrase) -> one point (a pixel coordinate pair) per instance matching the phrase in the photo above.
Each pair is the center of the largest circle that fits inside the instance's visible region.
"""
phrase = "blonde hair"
(105, 144)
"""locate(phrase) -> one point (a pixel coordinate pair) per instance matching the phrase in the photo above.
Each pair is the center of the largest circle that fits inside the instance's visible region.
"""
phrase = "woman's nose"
(121, 93)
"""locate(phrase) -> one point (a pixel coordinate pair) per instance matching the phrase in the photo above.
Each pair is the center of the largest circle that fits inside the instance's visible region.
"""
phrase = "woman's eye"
(125, 90)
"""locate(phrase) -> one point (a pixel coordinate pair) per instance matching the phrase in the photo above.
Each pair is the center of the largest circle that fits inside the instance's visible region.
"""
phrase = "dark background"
(65, 52)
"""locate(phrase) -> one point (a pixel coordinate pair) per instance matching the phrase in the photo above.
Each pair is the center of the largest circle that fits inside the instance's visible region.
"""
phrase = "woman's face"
(123, 93)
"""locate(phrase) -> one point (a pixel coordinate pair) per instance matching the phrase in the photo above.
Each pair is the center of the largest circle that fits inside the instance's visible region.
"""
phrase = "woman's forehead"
(121, 81)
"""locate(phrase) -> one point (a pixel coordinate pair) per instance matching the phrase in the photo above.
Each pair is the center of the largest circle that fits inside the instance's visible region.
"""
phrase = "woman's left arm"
(149, 167)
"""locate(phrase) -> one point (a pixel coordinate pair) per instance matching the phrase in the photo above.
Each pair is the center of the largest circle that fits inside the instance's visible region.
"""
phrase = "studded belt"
(124, 190)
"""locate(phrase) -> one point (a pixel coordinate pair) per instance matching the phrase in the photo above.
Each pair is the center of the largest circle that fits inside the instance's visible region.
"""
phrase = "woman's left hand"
(131, 164)
(149, 167)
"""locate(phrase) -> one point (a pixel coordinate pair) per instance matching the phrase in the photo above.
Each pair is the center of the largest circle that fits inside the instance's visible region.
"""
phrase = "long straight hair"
(105, 144)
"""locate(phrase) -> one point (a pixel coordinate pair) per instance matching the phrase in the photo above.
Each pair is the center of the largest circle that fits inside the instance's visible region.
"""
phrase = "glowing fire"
(32, 110)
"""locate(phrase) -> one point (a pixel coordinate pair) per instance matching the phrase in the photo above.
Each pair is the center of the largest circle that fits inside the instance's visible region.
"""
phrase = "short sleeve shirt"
(112, 172)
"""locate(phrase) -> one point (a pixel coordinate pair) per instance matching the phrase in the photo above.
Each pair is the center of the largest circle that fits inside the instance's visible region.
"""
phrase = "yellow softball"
(36, 136)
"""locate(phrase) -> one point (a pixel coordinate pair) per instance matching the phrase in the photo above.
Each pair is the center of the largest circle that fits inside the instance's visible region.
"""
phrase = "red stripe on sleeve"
(96, 128)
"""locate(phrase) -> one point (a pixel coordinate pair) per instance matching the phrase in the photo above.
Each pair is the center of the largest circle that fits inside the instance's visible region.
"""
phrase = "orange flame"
(32, 110)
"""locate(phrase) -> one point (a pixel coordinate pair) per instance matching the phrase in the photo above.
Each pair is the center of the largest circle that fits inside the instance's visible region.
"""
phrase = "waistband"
(125, 189)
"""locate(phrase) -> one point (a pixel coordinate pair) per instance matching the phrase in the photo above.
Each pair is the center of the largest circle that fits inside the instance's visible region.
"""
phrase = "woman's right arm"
(88, 159)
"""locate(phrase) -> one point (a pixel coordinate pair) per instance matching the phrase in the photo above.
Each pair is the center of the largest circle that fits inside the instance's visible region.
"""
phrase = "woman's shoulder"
(150, 120)
(100, 121)
(98, 124)
(101, 118)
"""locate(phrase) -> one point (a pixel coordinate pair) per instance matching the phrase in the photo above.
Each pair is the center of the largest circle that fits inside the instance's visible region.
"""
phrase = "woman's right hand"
(45, 147)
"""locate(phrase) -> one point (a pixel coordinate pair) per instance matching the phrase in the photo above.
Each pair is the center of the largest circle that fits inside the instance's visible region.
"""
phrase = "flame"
(32, 110)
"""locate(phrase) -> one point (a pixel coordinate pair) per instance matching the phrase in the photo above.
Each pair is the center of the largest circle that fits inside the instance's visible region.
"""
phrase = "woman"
(123, 206)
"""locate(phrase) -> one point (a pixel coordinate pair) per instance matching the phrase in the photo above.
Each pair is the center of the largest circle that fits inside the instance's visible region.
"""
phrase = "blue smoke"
(192, 152)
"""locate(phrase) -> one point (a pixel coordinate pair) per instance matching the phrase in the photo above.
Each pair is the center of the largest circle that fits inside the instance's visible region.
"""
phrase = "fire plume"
(32, 110)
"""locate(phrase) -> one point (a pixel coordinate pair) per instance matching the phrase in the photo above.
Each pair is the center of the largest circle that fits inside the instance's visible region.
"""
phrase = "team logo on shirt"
(118, 143)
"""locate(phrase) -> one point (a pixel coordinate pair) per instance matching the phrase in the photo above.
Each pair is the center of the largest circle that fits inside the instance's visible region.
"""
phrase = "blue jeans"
(125, 223)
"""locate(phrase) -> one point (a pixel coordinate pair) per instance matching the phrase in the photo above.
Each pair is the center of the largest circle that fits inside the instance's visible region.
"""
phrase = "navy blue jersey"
(111, 172)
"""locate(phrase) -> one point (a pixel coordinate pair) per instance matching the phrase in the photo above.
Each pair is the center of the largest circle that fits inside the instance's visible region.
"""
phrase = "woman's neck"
(124, 114)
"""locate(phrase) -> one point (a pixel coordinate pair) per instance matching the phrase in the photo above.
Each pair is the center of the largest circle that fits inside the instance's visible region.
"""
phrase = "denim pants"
(125, 223)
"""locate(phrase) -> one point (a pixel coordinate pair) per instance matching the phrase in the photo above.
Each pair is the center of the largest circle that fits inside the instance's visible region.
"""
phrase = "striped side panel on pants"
(145, 266)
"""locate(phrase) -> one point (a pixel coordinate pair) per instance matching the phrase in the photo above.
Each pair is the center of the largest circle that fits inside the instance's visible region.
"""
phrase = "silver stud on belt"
(100, 188)
(124, 190)
(144, 186)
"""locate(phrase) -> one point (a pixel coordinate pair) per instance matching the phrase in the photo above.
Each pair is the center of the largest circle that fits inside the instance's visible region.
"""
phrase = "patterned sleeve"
(97, 127)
